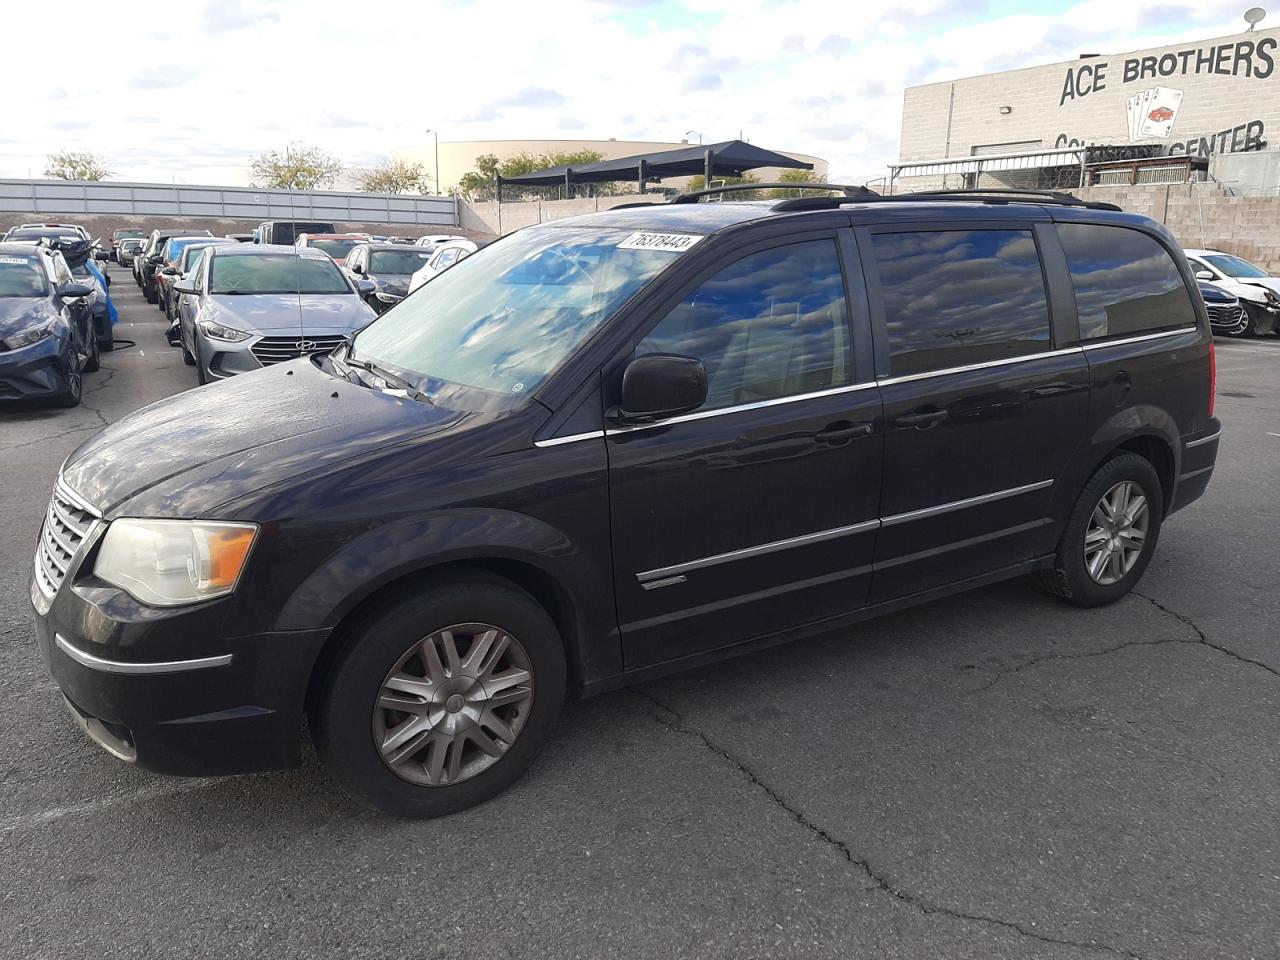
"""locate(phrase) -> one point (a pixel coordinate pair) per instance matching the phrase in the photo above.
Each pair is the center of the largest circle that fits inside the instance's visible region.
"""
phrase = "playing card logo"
(1152, 112)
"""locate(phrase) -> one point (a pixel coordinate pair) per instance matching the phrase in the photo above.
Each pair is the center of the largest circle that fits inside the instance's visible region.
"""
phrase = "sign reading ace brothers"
(1151, 110)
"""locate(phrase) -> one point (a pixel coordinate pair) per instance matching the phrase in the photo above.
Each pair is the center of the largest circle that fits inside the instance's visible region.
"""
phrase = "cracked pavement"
(992, 775)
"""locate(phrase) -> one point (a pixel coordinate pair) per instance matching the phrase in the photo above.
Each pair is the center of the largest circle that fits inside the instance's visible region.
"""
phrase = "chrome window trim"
(1002, 362)
(759, 550)
(572, 438)
(756, 405)
(933, 511)
(1202, 440)
(1195, 473)
(118, 666)
(1099, 344)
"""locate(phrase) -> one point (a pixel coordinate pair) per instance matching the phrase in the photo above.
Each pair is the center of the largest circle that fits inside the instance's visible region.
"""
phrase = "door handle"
(840, 432)
(920, 421)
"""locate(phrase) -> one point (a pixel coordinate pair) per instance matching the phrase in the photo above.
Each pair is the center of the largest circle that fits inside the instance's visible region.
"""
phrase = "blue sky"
(192, 94)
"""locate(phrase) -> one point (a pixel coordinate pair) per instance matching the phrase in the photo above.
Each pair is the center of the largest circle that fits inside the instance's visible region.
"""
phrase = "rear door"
(986, 397)
(756, 512)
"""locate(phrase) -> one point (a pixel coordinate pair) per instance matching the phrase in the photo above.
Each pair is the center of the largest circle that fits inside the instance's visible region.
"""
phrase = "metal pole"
(641, 165)
(436, 135)
(568, 183)
(708, 166)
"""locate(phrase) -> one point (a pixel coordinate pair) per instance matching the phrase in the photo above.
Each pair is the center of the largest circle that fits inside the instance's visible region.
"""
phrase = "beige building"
(459, 158)
(1202, 98)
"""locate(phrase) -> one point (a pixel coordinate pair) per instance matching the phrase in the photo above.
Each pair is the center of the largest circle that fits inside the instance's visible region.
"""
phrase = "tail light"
(1213, 377)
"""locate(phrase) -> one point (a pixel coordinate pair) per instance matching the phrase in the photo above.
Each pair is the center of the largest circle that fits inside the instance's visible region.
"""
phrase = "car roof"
(1193, 252)
(260, 249)
(27, 250)
(394, 247)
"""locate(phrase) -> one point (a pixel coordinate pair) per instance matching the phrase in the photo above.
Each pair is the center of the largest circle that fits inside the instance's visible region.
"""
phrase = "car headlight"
(30, 335)
(388, 297)
(219, 332)
(166, 563)
(1271, 298)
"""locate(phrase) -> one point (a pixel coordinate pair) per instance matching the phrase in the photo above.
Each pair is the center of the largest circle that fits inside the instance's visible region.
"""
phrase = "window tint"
(276, 274)
(956, 297)
(771, 325)
(1125, 281)
(20, 277)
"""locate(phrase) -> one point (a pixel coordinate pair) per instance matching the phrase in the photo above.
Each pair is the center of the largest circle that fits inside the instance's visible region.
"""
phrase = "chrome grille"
(271, 350)
(67, 524)
(1225, 315)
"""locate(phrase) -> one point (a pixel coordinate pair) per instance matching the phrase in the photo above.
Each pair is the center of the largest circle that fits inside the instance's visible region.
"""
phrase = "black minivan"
(615, 446)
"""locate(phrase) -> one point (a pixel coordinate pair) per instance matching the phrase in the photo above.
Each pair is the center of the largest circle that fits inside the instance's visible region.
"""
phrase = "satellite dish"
(1254, 16)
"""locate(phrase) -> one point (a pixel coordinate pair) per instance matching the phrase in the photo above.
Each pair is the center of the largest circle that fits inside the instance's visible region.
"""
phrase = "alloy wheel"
(453, 704)
(1117, 533)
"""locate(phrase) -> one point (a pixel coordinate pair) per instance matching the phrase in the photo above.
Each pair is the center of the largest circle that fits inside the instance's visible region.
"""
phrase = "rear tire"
(93, 362)
(496, 732)
(1104, 569)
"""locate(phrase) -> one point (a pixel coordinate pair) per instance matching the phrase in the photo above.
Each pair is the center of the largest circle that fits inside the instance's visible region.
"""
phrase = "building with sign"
(1160, 115)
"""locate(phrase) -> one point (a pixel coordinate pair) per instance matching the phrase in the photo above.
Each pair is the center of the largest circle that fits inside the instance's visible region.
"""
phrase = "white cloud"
(192, 95)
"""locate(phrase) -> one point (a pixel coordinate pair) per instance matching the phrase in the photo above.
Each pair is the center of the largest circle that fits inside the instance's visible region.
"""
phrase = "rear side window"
(957, 297)
(1125, 282)
(771, 325)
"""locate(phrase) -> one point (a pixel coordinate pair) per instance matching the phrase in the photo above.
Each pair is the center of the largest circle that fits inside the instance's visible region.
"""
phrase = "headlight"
(166, 563)
(218, 332)
(1272, 299)
(24, 338)
(388, 297)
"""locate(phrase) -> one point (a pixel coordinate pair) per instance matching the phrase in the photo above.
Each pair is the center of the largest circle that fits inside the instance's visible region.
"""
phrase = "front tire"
(442, 700)
(1111, 534)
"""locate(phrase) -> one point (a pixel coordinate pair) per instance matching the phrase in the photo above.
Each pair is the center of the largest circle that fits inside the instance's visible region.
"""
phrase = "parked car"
(169, 268)
(46, 340)
(615, 446)
(335, 245)
(40, 231)
(1259, 292)
(388, 266)
(249, 307)
(127, 251)
(187, 257)
(1226, 314)
(152, 258)
(241, 237)
(433, 240)
(118, 236)
(286, 231)
(441, 258)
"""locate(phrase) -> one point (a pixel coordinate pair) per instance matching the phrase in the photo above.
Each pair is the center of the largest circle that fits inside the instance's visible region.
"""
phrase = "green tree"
(394, 176)
(797, 177)
(76, 165)
(478, 184)
(297, 167)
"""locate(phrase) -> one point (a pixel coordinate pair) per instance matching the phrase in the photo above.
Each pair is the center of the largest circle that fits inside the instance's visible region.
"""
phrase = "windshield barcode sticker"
(13, 260)
(671, 242)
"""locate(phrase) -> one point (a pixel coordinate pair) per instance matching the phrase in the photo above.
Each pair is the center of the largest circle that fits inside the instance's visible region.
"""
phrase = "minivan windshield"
(275, 273)
(1235, 267)
(505, 318)
(20, 277)
(397, 261)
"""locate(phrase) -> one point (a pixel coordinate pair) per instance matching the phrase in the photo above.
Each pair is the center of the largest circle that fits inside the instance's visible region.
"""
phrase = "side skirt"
(593, 688)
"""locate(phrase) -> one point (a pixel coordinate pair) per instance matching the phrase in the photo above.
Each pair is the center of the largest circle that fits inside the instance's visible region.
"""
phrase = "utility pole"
(435, 135)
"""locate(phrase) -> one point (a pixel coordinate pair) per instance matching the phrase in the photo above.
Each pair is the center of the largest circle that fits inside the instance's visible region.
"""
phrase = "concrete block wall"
(489, 218)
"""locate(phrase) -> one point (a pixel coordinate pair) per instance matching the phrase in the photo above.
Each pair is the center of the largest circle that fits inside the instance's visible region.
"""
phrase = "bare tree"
(394, 176)
(297, 167)
(76, 165)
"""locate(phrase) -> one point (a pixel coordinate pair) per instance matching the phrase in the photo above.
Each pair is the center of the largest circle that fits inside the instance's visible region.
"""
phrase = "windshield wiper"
(399, 383)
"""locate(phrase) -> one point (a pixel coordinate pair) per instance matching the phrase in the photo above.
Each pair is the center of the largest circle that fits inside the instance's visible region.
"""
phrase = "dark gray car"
(389, 267)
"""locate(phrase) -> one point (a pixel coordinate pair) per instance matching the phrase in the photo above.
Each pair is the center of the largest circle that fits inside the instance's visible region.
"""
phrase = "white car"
(433, 240)
(1259, 292)
(444, 257)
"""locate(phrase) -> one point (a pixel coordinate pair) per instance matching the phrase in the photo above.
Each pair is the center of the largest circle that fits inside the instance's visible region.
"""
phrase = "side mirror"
(155, 258)
(660, 385)
(1203, 275)
(101, 255)
(366, 287)
(170, 271)
(185, 286)
(75, 291)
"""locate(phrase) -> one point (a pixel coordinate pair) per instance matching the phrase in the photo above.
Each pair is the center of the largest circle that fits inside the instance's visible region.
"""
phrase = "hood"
(255, 313)
(392, 283)
(1252, 288)
(1215, 294)
(18, 313)
(184, 456)
(333, 313)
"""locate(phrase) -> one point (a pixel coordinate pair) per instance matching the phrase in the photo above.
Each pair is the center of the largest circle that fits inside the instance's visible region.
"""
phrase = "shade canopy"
(730, 158)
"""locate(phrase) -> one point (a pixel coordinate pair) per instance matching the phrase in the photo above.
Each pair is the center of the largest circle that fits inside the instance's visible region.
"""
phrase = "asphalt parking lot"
(993, 775)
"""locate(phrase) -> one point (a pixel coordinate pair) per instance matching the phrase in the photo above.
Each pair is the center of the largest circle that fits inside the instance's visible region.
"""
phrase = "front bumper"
(191, 711)
(37, 372)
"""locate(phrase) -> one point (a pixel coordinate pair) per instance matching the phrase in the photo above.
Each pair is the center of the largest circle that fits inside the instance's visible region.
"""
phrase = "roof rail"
(849, 190)
(993, 196)
(637, 203)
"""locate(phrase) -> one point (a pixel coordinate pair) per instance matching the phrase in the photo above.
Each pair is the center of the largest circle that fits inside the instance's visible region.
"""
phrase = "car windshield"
(507, 317)
(20, 277)
(40, 233)
(190, 255)
(174, 250)
(130, 244)
(397, 261)
(334, 248)
(276, 273)
(123, 234)
(1235, 267)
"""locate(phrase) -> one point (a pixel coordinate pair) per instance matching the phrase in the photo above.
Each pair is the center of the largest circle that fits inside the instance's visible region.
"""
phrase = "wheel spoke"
(431, 660)
(1136, 508)
(453, 758)
(401, 702)
(485, 742)
(1113, 565)
(516, 694)
(499, 729)
(499, 682)
(434, 765)
(408, 748)
(1133, 537)
(1094, 537)
(414, 686)
(1098, 562)
(404, 732)
(450, 644)
(486, 650)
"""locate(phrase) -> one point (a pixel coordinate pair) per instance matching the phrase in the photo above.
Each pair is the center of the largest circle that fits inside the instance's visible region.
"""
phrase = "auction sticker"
(14, 260)
(670, 242)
